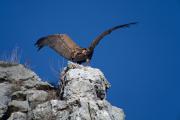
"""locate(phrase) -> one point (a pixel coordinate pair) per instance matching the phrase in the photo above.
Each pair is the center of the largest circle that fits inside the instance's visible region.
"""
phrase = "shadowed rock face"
(81, 95)
(21, 90)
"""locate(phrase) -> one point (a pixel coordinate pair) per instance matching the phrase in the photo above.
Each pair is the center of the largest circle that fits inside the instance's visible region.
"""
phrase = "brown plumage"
(67, 48)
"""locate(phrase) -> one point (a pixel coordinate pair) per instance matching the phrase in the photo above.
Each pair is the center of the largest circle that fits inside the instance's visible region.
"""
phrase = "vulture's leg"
(87, 62)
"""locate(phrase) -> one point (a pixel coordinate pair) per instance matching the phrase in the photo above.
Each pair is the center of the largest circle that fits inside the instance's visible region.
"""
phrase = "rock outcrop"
(81, 95)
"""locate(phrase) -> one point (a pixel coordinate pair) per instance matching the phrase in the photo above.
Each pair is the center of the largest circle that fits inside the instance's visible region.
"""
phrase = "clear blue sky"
(142, 62)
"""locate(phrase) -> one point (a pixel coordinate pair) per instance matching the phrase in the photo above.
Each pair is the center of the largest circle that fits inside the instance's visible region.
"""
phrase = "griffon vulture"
(67, 48)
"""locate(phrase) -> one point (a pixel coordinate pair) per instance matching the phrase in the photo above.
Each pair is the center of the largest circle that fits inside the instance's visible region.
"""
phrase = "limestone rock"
(36, 95)
(20, 91)
(15, 105)
(81, 95)
(84, 82)
(51, 110)
(18, 116)
(15, 72)
(5, 90)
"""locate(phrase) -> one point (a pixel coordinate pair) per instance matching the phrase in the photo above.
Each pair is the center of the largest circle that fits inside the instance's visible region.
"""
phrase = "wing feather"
(102, 35)
(61, 43)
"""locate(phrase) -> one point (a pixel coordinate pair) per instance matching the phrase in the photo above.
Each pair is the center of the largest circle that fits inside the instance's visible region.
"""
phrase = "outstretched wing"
(61, 43)
(97, 39)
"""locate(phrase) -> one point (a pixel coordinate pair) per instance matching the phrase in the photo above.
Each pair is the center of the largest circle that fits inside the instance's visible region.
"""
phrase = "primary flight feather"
(67, 48)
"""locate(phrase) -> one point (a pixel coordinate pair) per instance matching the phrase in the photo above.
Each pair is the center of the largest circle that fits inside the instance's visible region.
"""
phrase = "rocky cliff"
(81, 95)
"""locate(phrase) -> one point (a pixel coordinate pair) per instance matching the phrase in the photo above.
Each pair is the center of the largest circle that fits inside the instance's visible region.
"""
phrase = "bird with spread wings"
(67, 48)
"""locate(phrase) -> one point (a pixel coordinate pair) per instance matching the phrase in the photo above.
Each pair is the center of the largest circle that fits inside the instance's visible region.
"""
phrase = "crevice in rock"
(89, 109)
(19, 96)
(44, 87)
(63, 82)
(2, 80)
(9, 111)
(6, 115)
